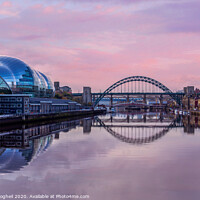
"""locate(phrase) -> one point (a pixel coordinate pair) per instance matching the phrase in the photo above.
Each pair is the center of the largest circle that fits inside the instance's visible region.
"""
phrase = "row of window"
(11, 137)
(8, 111)
(12, 99)
(48, 108)
(26, 108)
(3, 105)
(12, 144)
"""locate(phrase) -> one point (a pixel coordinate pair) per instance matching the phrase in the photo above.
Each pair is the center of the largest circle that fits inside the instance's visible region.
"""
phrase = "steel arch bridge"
(134, 79)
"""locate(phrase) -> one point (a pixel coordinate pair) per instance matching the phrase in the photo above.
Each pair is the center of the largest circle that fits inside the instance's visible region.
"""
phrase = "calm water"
(151, 156)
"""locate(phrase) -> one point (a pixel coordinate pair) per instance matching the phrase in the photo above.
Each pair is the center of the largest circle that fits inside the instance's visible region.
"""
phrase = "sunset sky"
(98, 42)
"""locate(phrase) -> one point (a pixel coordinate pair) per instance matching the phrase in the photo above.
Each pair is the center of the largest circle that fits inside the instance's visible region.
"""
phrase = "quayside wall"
(49, 116)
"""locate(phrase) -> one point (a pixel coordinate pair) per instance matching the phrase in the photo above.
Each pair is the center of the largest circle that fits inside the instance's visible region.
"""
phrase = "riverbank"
(50, 116)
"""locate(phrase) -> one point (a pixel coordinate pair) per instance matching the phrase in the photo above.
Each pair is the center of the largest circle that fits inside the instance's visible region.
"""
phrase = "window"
(19, 111)
(19, 99)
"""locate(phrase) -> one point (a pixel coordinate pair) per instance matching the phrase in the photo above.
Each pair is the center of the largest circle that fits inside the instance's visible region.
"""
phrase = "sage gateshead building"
(16, 77)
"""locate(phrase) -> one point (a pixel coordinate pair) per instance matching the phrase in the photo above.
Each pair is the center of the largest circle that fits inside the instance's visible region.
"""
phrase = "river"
(116, 156)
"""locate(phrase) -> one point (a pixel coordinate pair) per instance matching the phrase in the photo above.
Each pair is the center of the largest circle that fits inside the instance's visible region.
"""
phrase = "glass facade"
(22, 79)
(18, 148)
(4, 87)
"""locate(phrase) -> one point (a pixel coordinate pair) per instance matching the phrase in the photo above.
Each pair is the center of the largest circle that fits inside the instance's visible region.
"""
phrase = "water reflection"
(191, 123)
(138, 128)
(19, 146)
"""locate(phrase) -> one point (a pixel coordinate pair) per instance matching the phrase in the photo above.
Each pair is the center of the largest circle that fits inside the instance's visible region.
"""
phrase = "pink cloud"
(108, 43)
(98, 7)
(7, 4)
(49, 9)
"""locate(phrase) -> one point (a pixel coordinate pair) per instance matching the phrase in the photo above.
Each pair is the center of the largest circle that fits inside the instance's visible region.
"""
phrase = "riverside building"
(24, 104)
(24, 90)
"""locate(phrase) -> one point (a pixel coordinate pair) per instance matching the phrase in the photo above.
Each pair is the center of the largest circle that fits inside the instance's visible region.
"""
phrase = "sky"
(98, 42)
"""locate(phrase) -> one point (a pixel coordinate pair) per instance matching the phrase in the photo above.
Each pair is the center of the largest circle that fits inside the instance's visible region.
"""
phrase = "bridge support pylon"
(145, 99)
(144, 118)
(127, 99)
(161, 99)
(128, 118)
(111, 101)
(161, 116)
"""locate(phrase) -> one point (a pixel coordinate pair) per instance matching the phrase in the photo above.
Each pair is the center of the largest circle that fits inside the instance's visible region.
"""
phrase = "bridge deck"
(132, 93)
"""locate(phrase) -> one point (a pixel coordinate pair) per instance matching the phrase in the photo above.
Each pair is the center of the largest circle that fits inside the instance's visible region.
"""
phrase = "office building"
(24, 104)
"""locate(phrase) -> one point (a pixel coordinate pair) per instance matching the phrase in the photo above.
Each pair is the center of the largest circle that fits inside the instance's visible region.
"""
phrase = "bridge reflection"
(138, 129)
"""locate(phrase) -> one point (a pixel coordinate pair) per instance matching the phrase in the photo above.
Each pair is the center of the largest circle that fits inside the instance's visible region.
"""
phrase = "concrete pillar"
(128, 118)
(145, 118)
(161, 116)
(145, 99)
(111, 100)
(161, 99)
(87, 124)
(87, 95)
(127, 99)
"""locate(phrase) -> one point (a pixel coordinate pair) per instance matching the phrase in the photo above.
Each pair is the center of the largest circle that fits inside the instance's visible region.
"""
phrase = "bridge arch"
(132, 79)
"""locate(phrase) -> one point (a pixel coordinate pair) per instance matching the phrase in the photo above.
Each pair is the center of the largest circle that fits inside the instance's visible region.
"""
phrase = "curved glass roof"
(48, 81)
(18, 74)
(4, 87)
